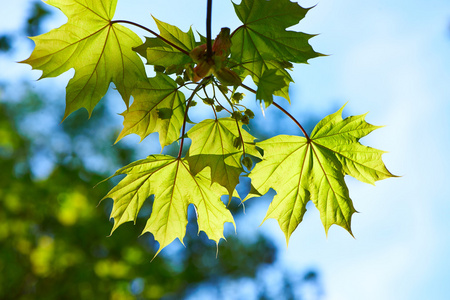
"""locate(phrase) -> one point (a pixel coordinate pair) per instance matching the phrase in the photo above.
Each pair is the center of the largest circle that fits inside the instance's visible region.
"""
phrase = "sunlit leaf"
(213, 146)
(175, 187)
(159, 53)
(158, 107)
(100, 52)
(300, 170)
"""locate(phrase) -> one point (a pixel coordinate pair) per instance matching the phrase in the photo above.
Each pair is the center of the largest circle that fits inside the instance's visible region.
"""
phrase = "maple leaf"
(159, 53)
(263, 42)
(174, 186)
(99, 50)
(300, 170)
(158, 106)
(269, 83)
(213, 146)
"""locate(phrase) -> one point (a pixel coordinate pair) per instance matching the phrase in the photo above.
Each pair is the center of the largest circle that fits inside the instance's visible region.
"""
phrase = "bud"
(249, 113)
(245, 120)
(203, 69)
(227, 77)
(237, 97)
(222, 43)
(197, 54)
(247, 162)
(160, 69)
(236, 115)
(208, 101)
(237, 143)
(179, 80)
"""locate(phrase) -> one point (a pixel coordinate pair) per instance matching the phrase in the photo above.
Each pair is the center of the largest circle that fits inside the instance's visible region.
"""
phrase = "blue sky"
(388, 58)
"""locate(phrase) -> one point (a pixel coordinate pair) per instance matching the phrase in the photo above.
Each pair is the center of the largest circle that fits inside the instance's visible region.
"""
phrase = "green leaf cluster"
(299, 169)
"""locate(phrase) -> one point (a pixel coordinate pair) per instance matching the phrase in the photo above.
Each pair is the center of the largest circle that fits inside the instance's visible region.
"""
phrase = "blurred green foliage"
(54, 239)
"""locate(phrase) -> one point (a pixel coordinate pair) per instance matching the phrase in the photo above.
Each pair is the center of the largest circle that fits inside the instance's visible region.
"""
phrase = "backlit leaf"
(158, 107)
(159, 53)
(263, 42)
(268, 84)
(175, 187)
(300, 170)
(99, 51)
(213, 146)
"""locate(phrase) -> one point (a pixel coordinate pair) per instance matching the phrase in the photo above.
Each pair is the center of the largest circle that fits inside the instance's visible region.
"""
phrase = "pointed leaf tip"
(174, 187)
(300, 171)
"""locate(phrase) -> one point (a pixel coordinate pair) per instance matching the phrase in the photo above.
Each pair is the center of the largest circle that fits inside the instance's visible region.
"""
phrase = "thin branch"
(215, 99)
(283, 110)
(237, 122)
(152, 32)
(183, 132)
(208, 29)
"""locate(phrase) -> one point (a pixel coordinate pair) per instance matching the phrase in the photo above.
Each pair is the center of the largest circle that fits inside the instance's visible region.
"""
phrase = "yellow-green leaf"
(159, 53)
(100, 52)
(300, 170)
(213, 146)
(158, 106)
(175, 187)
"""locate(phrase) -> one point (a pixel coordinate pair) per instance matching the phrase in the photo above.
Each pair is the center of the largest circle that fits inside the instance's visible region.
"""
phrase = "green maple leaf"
(159, 53)
(300, 170)
(269, 83)
(175, 187)
(263, 42)
(158, 106)
(263, 36)
(100, 52)
(213, 146)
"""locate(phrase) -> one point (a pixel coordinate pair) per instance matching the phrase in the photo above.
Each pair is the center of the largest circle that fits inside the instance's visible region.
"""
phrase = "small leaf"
(184, 40)
(174, 187)
(213, 145)
(149, 112)
(268, 84)
(300, 170)
(158, 52)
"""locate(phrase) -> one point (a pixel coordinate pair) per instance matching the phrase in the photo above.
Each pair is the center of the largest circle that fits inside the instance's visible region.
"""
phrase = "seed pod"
(249, 113)
(237, 97)
(247, 162)
(245, 120)
(236, 115)
(237, 143)
(208, 101)
(179, 80)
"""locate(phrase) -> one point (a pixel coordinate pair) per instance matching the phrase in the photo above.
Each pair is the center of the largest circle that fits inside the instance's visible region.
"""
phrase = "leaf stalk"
(284, 111)
(152, 32)
(183, 131)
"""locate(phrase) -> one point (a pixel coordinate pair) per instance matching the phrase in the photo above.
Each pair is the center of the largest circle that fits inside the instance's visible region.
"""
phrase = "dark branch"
(208, 29)
(152, 32)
